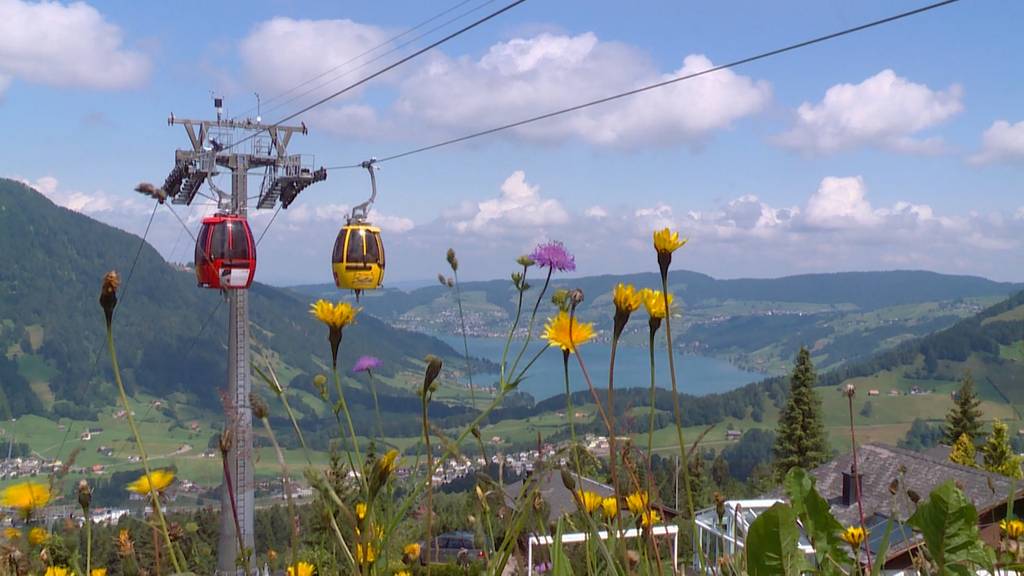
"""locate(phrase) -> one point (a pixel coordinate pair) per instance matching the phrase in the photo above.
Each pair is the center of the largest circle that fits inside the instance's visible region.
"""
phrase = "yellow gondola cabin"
(358, 259)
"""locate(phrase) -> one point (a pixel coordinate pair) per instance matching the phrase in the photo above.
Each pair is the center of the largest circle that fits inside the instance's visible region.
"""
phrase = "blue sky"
(898, 147)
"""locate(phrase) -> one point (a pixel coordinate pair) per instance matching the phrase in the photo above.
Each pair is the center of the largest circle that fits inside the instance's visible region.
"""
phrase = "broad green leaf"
(773, 544)
(821, 527)
(560, 565)
(948, 522)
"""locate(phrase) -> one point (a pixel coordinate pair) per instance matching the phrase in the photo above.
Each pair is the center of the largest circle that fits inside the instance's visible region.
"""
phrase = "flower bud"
(849, 390)
(108, 294)
(452, 260)
(525, 261)
(442, 280)
(320, 383)
(259, 406)
(84, 495)
(432, 372)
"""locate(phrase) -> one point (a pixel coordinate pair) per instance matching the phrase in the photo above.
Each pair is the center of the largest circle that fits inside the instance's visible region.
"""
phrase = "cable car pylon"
(226, 260)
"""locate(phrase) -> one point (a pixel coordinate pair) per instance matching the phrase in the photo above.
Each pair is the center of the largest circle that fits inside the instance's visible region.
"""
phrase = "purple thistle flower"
(365, 363)
(554, 255)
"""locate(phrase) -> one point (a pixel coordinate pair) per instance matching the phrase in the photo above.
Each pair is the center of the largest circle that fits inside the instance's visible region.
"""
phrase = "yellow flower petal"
(610, 507)
(26, 496)
(654, 302)
(566, 333)
(156, 481)
(336, 315)
(301, 569)
(626, 298)
(666, 241)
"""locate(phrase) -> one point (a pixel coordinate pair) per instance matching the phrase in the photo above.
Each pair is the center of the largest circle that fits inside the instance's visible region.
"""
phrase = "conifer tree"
(998, 456)
(963, 451)
(963, 417)
(800, 439)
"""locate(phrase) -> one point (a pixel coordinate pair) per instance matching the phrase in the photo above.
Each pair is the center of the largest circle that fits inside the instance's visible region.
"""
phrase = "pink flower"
(365, 363)
(554, 255)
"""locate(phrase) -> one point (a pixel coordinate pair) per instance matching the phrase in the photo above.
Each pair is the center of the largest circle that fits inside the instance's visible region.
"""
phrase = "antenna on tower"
(259, 118)
(218, 104)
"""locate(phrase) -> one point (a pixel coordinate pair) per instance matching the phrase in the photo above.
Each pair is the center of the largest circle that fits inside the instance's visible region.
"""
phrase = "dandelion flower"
(626, 298)
(301, 569)
(667, 241)
(12, 534)
(1014, 528)
(336, 316)
(58, 571)
(108, 295)
(98, 572)
(38, 536)
(156, 481)
(26, 496)
(411, 552)
(366, 553)
(854, 536)
(649, 518)
(403, 573)
(566, 333)
(610, 507)
(360, 511)
(590, 501)
(654, 302)
(554, 256)
(124, 544)
(637, 502)
(366, 363)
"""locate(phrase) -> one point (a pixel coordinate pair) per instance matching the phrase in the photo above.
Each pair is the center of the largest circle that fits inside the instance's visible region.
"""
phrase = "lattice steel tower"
(284, 176)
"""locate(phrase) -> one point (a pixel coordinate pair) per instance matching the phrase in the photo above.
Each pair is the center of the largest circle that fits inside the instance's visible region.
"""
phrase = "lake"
(697, 375)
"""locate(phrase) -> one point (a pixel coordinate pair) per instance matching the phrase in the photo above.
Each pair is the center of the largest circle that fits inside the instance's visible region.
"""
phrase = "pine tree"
(963, 451)
(998, 456)
(800, 439)
(964, 416)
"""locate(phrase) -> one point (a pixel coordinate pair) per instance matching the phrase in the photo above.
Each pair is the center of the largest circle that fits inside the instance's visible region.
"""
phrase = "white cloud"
(518, 207)
(1002, 142)
(596, 212)
(281, 53)
(87, 203)
(302, 215)
(885, 110)
(65, 45)
(512, 80)
(840, 203)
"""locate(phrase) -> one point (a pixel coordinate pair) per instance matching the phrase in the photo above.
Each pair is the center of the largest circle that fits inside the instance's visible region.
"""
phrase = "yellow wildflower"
(366, 553)
(666, 241)
(360, 511)
(58, 571)
(590, 501)
(610, 507)
(650, 518)
(411, 552)
(626, 298)
(558, 329)
(301, 569)
(26, 496)
(156, 481)
(37, 536)
(336, 316)
(12, 534)
(98, 572)
(654, 302)
(125, 546)
(1012, 528)
(403, 573)
(272, 555)
(854, 536)
(637, 502)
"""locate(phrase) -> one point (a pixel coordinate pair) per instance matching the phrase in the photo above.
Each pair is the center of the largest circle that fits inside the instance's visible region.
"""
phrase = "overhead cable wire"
(267, 227)
(384, 70)
(368, 52)
(378, 57)
(733, 64)
(182, 222)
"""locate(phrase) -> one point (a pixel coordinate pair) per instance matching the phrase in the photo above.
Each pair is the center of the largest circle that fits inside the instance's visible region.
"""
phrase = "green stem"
(376, 404)
(430, 475)
(511, 333)
(677, 412)
(88, 542)
(138, 443)
(465, 340)
(351, 429)
(286, 482)
(533, 318)
(650, 415)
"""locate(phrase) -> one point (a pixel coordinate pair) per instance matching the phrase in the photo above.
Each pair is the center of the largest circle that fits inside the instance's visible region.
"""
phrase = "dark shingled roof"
(880, 464)
(558, 497)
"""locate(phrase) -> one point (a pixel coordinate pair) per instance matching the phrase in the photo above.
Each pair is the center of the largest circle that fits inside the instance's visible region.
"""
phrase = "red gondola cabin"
(225, 253)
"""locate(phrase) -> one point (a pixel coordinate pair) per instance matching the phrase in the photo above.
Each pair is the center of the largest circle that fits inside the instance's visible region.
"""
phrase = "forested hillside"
(54, 358)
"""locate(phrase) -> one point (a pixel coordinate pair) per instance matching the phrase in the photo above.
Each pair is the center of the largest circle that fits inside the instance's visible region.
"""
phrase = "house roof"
(560, 500)
(880, 464)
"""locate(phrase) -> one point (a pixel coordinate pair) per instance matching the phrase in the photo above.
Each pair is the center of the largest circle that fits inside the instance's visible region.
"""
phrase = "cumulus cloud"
(1002, 142)
(886, 110)
(281, 53)
(596, 212)
(518, 207)
(62, 45)
(91, 203)
(510, 81)
(302, 215)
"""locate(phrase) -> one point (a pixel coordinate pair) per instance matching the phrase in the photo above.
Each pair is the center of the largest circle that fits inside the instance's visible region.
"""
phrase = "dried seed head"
(432, 372)
(108, 295)
(452, 260)
(259, 406)
(84, 494)
(442, 280)
(849, 390)
(227, 439)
